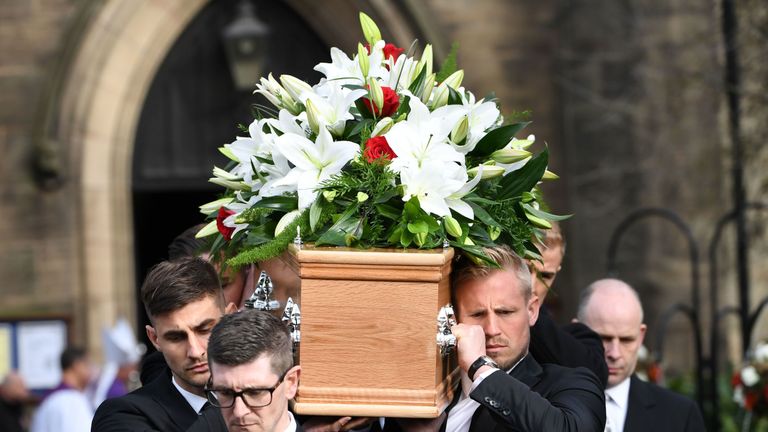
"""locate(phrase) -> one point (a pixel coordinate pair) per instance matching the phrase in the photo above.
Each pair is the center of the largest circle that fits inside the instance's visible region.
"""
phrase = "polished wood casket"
(368, 332)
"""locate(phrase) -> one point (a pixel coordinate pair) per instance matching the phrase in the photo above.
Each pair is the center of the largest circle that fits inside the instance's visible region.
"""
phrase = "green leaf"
(483, 215)
(315, 210)
(454, 98)
(388, 211)
(475, 253)
(418, 227)
(515, 183)
(544, 215)
(336, 234)
(415, 86)
(358, 127)
(496, 139)
(282, 203)
(449, 65)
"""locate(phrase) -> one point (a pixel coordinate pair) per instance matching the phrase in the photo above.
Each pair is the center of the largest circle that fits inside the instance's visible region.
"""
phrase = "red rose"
(390, 51)
(750, 399)
(223, 229)
(377, 148)
(390, 106)
(736, 379)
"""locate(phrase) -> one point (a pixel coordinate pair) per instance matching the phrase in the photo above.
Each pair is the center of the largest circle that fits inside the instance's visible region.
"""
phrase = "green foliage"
(449, 66)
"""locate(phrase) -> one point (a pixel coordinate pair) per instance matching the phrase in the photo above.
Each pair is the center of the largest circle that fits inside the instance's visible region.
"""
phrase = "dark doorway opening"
(193, 108)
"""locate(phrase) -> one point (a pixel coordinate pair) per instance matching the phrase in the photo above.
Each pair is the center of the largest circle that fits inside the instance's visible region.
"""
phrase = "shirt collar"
(292, 425)
(195, 401)
(619, 393)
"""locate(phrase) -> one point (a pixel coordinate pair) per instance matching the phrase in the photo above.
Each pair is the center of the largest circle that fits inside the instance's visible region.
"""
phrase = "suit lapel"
(529, 373)
(639, 404)
(178, 411)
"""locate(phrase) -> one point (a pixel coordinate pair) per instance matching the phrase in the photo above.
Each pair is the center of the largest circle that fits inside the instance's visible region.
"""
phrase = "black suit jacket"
(158, 406)
(539, 398)
(652, 408)
(571, 345)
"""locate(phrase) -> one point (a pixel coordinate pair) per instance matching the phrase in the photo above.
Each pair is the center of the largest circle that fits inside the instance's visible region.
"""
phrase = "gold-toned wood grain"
(368, 332)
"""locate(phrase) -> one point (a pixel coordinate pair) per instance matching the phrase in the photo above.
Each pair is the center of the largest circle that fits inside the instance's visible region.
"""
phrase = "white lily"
(438, 187)
(313, 162)
(422, 137)
(333, 107)
(344, 70)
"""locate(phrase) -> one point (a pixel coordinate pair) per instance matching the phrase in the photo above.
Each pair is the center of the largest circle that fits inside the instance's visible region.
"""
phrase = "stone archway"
(97, 109)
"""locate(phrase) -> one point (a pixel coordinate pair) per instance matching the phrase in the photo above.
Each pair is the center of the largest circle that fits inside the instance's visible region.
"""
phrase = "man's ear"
(152, 335)
(292, 382)
(231, 308)
(643, 328)
(533, 309)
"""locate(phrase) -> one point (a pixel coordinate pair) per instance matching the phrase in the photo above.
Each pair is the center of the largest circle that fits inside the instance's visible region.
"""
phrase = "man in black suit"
(613, 309)
(184, 301)
(252, 372)
(502, 386)
(573, 344)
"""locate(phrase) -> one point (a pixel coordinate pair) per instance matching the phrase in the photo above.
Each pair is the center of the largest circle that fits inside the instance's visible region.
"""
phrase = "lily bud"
(226, 152)
(214, 206)
(426, 59)
(294, 86)
(549, 175)
(441, 95)
(363, 60)
(382, 127)
(429, 85)
(460, 129)
(454, 80)
(286, 220)
(224, 174)
(370, 29)
(452, 226)
(207, 230)
(376, 94)
(229, 184)
(362, 197)
(509, 155)
(313, 117)
(420, 238)
(486, 172)
(523, 144)
(468, 241)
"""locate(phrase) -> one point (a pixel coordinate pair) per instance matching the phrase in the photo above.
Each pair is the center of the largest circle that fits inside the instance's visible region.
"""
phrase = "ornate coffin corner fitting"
(261, 297)
(446, 341)
(292, 318)
(368, 332)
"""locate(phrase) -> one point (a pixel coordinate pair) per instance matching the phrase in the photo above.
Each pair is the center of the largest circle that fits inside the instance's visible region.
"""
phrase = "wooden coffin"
(368, 332)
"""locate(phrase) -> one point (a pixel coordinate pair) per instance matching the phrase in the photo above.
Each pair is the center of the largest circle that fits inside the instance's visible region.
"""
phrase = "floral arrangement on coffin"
(382, 152)
(750, 383)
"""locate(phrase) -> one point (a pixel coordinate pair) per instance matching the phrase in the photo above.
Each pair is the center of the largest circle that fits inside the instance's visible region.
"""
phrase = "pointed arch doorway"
(110, 70)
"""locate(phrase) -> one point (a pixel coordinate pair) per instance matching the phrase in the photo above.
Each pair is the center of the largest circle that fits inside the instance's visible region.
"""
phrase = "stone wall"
(627, 94)
(39, 263)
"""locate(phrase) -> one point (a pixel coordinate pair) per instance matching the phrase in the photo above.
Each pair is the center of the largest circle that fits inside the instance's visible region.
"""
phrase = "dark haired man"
(252, 372)
(184, 301)
(502, 386)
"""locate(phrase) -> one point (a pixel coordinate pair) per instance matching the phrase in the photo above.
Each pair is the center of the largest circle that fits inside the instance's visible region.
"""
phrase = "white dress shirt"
(195, 401)
(460, 416)
(616, 403)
